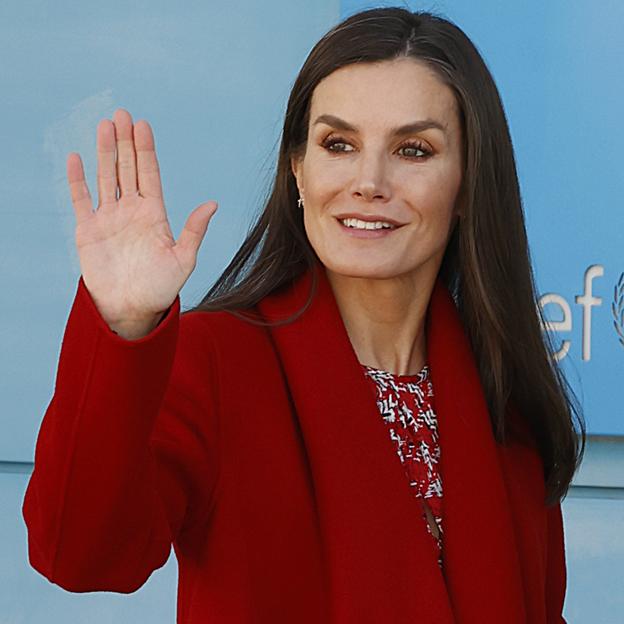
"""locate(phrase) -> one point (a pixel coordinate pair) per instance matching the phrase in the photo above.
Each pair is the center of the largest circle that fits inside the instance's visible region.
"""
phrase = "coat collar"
(381, 563)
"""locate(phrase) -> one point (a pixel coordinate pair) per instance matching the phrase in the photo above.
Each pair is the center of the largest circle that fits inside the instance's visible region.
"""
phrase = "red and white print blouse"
(405, 404)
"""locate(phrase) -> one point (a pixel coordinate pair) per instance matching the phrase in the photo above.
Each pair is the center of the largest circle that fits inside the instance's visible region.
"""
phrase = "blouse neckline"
(422, 374)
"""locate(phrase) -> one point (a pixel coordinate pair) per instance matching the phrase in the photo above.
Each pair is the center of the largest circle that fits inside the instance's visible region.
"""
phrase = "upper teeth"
(366, 225)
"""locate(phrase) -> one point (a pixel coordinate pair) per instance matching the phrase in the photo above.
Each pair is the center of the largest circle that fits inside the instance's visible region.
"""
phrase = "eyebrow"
(410, 128)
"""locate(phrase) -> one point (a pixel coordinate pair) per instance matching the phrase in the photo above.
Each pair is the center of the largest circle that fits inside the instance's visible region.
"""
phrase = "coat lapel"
(380, 561)
(481, 562)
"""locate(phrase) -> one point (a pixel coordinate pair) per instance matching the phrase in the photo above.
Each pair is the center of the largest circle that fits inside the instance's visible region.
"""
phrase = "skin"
(382, 285)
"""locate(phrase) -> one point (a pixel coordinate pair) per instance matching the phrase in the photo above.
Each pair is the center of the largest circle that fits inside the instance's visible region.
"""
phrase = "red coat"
(262, 456)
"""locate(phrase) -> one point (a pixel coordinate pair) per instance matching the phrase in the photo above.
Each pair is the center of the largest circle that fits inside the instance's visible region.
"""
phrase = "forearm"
(94, 515)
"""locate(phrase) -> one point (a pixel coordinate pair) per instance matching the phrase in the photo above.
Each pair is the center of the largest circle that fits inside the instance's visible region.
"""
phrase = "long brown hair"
(486, 266)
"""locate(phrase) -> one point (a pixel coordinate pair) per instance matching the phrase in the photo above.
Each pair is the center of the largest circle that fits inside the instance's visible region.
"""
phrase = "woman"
(379, 322)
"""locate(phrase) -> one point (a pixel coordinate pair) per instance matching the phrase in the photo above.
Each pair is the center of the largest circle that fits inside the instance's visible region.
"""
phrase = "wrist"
(135, 329)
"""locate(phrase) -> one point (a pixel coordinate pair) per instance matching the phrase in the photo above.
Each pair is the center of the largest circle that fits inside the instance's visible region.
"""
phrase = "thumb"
(195, 229)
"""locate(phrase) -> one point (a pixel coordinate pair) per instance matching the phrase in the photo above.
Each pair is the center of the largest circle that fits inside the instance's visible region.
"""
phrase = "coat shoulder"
(219, 323)
(230, 337)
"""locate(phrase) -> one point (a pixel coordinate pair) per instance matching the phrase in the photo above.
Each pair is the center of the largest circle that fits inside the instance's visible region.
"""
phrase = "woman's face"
(359, 164)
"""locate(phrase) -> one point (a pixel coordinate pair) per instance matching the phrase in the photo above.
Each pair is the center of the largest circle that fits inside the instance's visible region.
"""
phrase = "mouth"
(367, 229)
(360, 224)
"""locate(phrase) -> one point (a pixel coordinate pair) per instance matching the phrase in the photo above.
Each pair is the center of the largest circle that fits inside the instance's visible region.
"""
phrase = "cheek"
(324, 177)
(435, 192)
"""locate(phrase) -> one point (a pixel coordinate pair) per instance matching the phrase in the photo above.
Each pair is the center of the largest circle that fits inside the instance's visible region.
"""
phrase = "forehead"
(387, 93)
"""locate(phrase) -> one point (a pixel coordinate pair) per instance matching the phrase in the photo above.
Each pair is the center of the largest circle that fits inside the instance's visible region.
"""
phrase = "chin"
(362, 269)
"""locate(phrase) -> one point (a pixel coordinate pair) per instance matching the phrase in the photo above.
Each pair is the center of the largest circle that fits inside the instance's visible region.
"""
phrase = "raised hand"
(130, 262)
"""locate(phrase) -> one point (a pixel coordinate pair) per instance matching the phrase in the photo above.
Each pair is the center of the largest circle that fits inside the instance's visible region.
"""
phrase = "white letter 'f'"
(587, 300)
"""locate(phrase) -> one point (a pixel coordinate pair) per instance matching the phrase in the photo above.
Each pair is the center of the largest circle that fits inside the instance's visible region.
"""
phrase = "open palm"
(130, 262)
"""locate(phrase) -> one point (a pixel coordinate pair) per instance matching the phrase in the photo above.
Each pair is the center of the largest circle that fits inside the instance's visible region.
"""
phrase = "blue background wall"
(558, 66)
(197, 73)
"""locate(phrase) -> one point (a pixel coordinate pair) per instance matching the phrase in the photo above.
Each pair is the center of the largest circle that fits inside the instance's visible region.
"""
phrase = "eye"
(331, 142)
(418, 147)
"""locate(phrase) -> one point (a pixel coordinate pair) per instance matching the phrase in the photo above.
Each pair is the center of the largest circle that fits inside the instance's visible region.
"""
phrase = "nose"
(370, 180)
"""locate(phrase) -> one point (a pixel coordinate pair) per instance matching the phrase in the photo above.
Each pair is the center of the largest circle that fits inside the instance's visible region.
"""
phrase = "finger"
(194, 230)
(148, 172)
(126, 157)
(106, 171)
(80, 196)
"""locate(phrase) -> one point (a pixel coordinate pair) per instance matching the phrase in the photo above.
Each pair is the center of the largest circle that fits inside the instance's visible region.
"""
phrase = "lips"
(354, 224)
(366, 233)
(369, 218)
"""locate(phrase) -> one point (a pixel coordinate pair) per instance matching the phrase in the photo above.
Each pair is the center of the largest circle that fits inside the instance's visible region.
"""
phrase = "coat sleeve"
(121, 465)
(556, 575)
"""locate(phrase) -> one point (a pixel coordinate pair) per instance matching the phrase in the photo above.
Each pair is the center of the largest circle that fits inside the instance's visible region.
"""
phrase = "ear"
(296, 166)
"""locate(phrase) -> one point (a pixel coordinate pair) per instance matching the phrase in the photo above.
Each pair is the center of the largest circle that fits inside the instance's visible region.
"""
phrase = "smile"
(366, 229)
(366, 225)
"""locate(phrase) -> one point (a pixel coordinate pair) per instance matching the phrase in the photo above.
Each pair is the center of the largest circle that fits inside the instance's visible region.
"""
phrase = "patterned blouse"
(405, 404)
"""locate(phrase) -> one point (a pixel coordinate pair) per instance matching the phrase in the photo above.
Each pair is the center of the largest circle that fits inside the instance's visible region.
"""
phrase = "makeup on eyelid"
(416, 145)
